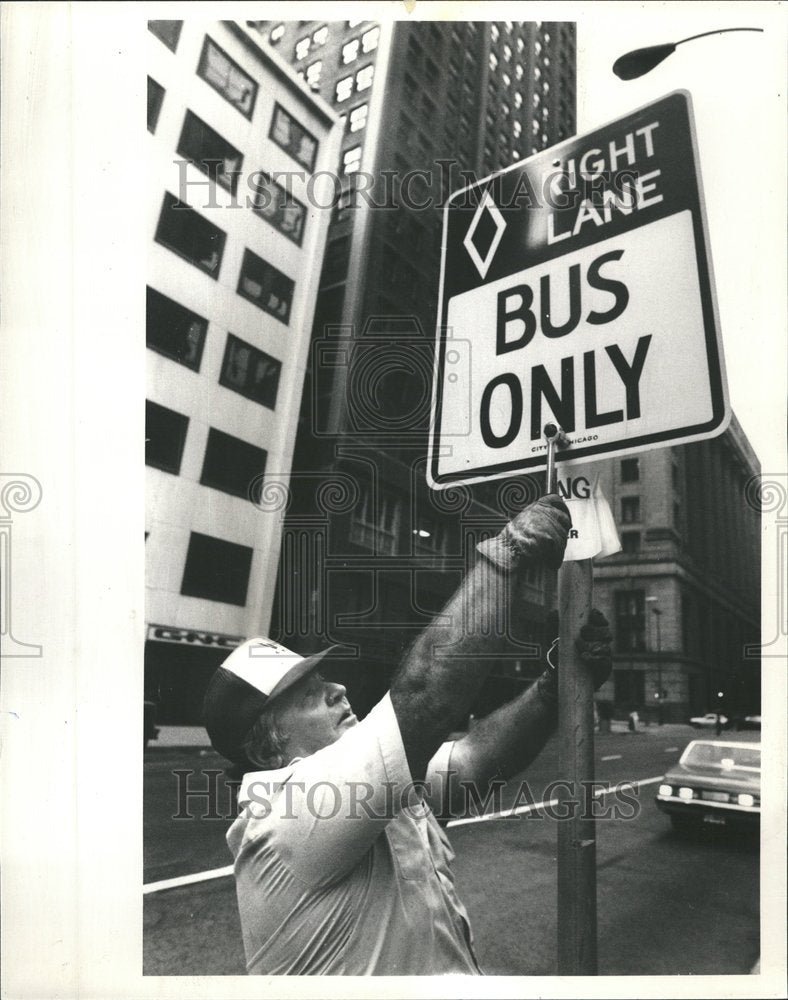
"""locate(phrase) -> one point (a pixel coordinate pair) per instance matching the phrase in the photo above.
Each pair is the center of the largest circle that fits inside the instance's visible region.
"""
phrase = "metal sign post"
(576, 833)
(577, 936)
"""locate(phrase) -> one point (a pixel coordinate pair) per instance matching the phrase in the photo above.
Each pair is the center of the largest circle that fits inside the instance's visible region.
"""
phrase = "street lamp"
(641, 61)
(657, 614)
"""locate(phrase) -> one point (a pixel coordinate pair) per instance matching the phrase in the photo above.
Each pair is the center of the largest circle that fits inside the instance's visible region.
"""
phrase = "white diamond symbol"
(483, 263)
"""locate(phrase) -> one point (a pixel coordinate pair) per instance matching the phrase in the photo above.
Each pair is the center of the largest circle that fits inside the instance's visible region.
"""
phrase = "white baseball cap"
(256, 672)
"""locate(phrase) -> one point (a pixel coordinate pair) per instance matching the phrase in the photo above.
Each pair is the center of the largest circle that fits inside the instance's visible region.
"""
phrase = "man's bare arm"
(504, 742)
(446, 666)
(507, 740)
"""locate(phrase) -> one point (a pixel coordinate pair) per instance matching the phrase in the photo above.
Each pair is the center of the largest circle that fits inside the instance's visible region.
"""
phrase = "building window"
(364, 78)
(350, 51)
(351, 160)
(507, 80)
(233, 466)
(190, 236)
(227, 77)
(167, 31)
(250, 372)
(165, 436)
(518, 100)
(369, 40)
(517, 128)
(374, 527)
(494, 32)
(344, 89)
(209, 152)
(630, 510)
(507, 53)
(431, 71)
(320, 36)
(493, 61)
(358, 117)
(291, 136)
(630, 621)
(520, 45)
(261, 283)
(302, 47)
(313, 74)
(155, 98)
(345, 203)
(630, 542)
(336, 260)
(173, 330)
(630, 470)
(276, 34)
(277, 206)
(518, 71)
(216, 570)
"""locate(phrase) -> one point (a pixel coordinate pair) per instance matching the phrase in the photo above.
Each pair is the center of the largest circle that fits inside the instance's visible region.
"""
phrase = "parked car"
(709, 720)
(714, 782)
(747, 722)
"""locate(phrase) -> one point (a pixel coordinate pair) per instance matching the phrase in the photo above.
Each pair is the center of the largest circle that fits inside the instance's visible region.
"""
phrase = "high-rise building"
(232, 282)
(683, 596)
(369, 554)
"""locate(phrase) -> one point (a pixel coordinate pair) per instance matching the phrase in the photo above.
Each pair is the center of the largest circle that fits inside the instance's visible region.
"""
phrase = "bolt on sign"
(576, 288)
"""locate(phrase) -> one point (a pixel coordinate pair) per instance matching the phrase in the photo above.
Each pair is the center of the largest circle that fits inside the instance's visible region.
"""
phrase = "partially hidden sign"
(593, 532)
(576, 288)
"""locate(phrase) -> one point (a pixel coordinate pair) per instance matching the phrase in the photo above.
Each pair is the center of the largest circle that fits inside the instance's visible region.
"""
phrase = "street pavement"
(666, 904)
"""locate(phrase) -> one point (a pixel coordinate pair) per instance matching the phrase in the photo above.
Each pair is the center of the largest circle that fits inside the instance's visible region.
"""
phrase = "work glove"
(593, 644)
(537, 534)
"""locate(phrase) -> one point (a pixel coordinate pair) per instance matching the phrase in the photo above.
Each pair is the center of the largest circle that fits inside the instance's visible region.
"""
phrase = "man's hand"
(536, 535)
(593, 645)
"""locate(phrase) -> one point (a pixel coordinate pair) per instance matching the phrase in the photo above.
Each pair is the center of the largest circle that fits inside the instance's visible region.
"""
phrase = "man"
(341, 866)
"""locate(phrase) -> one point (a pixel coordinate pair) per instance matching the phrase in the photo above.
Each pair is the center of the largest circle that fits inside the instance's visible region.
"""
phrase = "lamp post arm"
(719, 31)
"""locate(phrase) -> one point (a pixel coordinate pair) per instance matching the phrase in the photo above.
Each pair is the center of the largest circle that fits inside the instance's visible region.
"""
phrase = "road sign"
(576, 287)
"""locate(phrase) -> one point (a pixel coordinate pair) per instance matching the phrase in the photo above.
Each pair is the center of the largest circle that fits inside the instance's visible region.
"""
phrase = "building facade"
(684, 595)
(236, 147)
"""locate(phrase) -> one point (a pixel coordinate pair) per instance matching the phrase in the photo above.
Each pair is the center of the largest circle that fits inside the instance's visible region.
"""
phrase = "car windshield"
(725, 757)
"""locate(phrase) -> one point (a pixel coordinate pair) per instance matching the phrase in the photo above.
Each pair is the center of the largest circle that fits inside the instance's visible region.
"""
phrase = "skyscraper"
(232, 280)
(426, 106)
